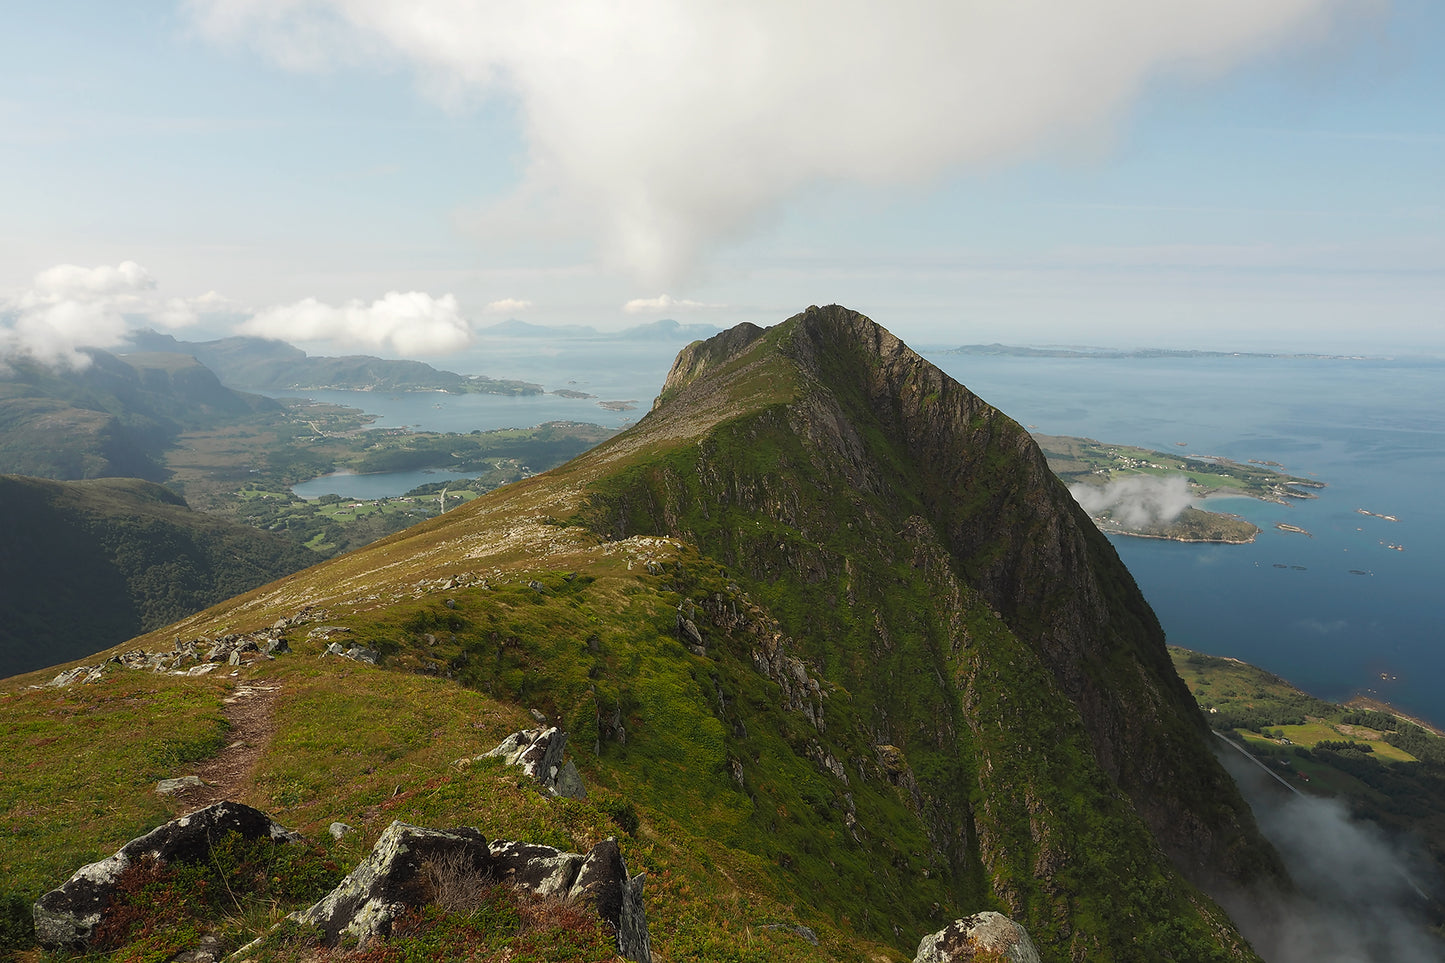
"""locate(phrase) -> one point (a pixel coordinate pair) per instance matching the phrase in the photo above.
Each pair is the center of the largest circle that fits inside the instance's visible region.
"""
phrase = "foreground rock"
(982, 936)
(540, 753)
(411, 866)
(67, 916)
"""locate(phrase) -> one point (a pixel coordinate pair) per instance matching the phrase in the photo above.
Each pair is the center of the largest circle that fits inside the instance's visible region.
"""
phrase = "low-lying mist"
(1361, 896)
(1141, 501)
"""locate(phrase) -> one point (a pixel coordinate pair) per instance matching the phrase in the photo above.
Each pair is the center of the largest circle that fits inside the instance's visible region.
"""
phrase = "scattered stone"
(540, 754)
(180, 784)
(196, 657)
(337, 830)
(356, 653)
(971, 937)
(67, 916)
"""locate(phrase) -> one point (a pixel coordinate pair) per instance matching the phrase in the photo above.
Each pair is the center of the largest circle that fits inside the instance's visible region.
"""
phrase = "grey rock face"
(539, 752)
(393, 877)
(390, 880)
(966, 939)
(67, 916)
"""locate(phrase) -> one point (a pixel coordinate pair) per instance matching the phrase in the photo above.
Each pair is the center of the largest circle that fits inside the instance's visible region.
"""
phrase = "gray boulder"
(67, 916)
(389, 880)
(401, 872)
(539, 752)
(974, 936)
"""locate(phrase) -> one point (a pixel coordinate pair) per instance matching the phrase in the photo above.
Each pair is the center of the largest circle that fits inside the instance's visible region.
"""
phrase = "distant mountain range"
(112, 418)
(263, 364)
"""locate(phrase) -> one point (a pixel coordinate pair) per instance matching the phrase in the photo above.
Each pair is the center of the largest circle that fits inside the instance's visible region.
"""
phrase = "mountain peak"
(825, 618)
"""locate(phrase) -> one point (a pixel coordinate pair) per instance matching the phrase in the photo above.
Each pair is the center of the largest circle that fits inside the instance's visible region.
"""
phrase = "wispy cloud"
(407, 324)
(508, 306)
(666, 126)
(665, 302)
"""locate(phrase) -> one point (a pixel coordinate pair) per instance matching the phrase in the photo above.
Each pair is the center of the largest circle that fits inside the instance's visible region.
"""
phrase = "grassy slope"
(88, 564)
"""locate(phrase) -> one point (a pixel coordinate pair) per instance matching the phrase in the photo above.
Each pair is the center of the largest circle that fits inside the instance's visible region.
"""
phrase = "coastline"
(1379, 705)
(1180, 538)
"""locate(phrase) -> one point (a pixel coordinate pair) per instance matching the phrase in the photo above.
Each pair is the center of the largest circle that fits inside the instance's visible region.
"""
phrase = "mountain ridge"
(917, 683)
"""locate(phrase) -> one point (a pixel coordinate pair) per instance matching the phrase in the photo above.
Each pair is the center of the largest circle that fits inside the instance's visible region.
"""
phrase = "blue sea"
(1372, 430)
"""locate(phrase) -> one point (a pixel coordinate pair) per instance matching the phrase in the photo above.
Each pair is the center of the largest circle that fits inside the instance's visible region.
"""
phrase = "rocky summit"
(840, 662)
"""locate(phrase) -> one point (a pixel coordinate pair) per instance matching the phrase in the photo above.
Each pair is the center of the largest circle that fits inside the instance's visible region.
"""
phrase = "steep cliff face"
(911, 540)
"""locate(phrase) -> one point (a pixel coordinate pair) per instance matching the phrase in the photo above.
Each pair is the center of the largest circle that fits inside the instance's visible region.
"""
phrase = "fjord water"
(1373, 431)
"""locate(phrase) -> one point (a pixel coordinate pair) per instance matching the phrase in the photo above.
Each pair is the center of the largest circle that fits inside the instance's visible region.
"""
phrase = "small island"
(1151, 494)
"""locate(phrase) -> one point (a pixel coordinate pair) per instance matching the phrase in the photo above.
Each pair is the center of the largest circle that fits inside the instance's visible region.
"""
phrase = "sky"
(393, 177)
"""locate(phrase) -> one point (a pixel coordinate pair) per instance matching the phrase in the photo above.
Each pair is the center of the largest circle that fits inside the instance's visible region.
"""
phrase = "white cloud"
(1139, 501)
(665, 302)
(414, 323)
(508, 306)
(664, 126)
(68, 307)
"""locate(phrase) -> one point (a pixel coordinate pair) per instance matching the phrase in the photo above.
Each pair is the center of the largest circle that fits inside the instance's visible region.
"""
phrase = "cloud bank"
(410, 324)
(68, 307)
(1361, 894)
(1141, 501)
(665, 126)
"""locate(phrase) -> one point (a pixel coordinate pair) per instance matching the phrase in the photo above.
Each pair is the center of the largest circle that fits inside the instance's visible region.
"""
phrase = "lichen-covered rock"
(390, 880)
(540, 752)
(67, 916)
(393, 878)
(535, 869)
(986, 936)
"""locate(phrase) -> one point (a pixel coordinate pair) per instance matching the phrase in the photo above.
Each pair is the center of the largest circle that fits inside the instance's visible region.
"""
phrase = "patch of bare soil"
(250, 709)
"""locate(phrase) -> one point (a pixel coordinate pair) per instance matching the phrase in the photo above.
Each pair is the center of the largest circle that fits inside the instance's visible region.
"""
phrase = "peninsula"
(1149, 494)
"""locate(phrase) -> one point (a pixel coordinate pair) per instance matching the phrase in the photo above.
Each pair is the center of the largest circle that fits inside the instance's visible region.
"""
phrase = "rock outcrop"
(411, 865)
(984, 936)
(195, 657)
(67, 916)
(540, 753)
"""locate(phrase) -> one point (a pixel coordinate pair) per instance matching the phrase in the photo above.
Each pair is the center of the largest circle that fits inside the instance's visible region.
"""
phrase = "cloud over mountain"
(69, 307)
(408, 324)
(662, 127)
